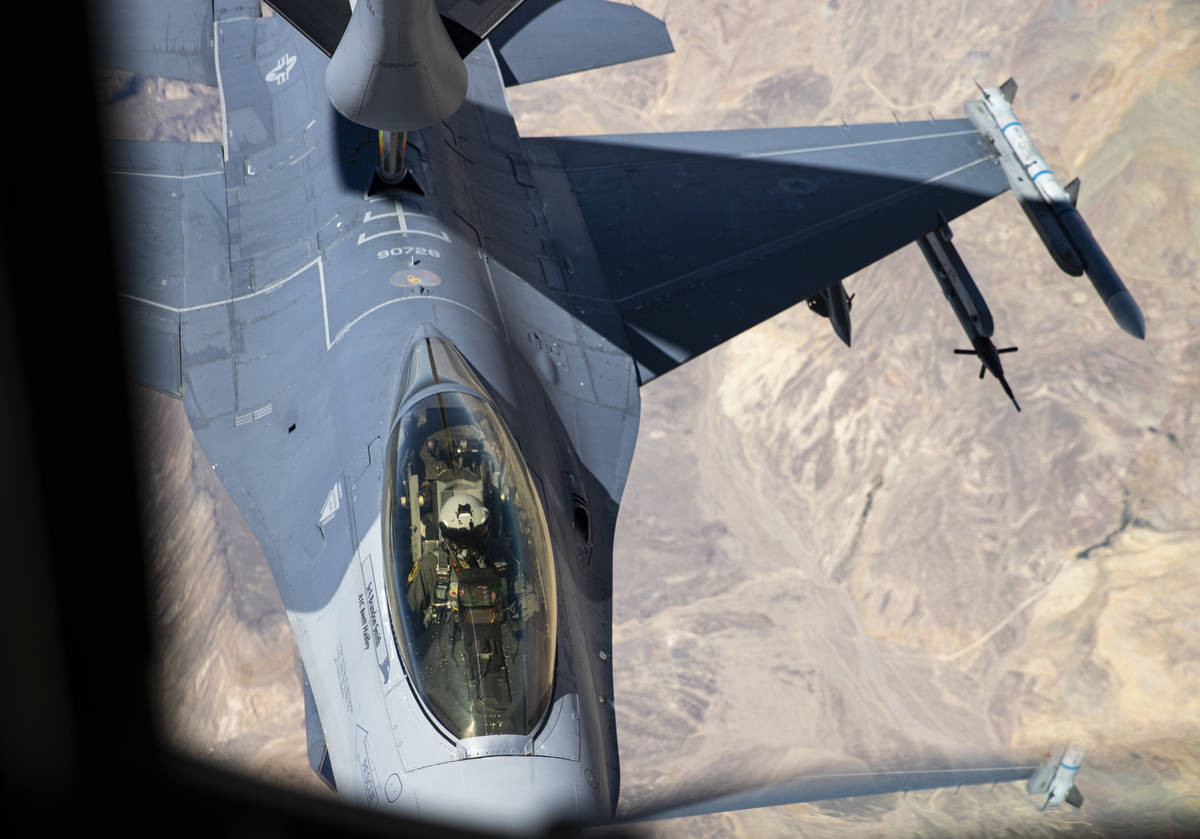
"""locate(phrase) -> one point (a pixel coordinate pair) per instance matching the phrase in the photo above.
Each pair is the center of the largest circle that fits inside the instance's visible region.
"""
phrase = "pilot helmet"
(463, 515)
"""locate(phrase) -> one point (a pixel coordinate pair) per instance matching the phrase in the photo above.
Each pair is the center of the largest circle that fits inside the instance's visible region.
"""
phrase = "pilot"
(463, 521)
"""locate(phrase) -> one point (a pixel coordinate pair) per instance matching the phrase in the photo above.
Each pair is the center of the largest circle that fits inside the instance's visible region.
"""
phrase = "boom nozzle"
(395, 68)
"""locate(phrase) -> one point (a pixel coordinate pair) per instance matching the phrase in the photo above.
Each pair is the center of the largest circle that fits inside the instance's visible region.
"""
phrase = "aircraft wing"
(701, 235)
(468, 22)
(170, 38)
(1052, 783)
(832, 786)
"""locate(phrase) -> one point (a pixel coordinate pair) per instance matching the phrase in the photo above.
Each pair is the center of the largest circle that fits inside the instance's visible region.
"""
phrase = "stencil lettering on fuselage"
(365, 767)
(339, 666)
(371, 604)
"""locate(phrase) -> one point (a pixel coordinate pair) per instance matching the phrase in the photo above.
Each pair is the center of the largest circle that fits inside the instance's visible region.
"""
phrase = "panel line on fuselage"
(275, 286)
(166, 174)
(330, 341)
(487, 269)
(403, 229)
(342, 332)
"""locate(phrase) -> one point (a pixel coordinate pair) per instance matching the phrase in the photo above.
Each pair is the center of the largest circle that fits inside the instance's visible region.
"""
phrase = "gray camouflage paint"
(273, 294)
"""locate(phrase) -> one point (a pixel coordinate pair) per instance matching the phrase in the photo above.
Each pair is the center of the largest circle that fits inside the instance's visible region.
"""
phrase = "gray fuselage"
(292, 361)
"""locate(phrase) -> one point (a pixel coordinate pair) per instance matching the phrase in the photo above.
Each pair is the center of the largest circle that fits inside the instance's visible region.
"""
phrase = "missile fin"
(1072, 190)
(1074, 798)
(1009, 89)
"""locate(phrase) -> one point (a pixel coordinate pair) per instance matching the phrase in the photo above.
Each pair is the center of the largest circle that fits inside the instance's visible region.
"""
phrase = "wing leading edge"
(701, 235)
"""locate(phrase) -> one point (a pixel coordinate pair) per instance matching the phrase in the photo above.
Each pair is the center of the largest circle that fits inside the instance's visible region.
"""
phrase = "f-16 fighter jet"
(410, 341)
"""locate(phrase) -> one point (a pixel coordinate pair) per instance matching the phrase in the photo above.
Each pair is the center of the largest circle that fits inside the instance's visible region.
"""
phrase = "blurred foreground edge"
(78, 734)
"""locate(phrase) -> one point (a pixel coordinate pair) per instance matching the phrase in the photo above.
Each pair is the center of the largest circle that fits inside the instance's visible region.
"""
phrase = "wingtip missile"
(1055, 779)
(1050, 207)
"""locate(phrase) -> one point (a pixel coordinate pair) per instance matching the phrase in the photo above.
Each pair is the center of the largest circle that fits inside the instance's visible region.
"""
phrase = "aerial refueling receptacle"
(1049, 207)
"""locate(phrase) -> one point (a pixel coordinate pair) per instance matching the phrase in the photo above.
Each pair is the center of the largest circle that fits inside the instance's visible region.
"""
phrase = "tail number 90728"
(384, 254)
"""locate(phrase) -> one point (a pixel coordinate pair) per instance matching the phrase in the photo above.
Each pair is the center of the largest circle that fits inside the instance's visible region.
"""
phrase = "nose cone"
(1072, 757)
(516, 795)
(1127, 314)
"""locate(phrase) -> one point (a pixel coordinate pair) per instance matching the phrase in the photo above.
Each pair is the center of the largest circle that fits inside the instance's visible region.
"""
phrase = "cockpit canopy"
(470, 574)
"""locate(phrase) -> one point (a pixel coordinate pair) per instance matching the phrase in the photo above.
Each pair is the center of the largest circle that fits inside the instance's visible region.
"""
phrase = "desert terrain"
(849, 558)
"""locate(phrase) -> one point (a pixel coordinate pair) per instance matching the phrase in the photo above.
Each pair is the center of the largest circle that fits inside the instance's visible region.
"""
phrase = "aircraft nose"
(516, 795)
